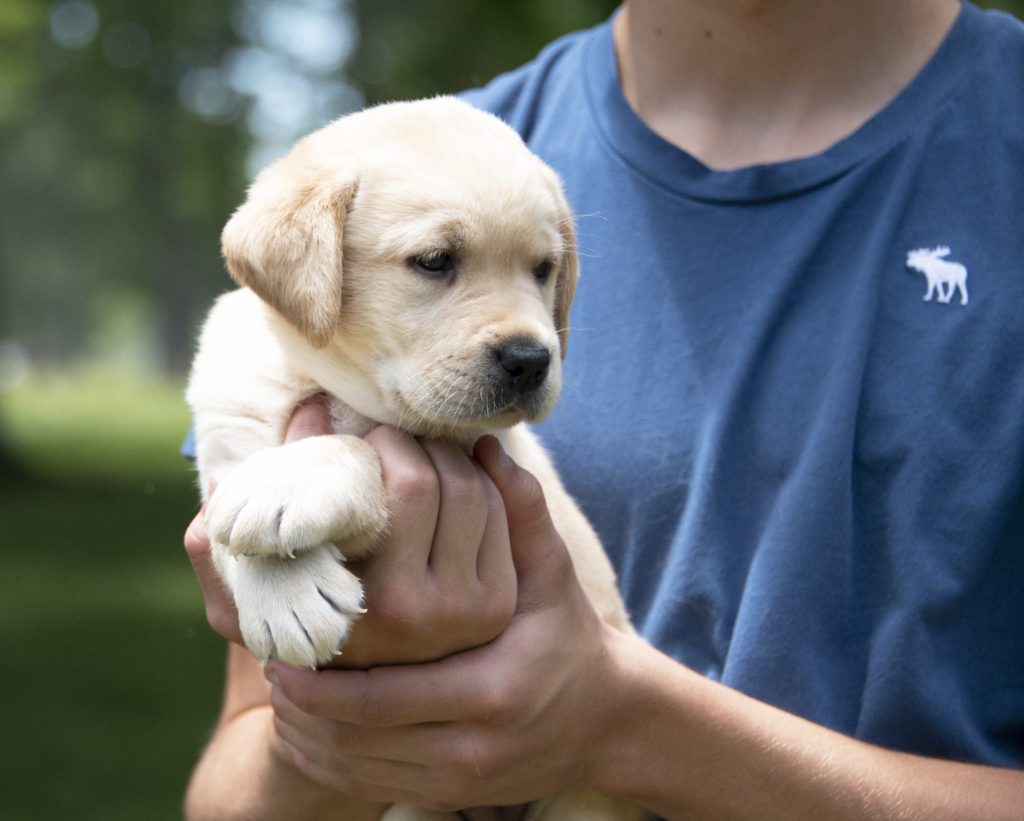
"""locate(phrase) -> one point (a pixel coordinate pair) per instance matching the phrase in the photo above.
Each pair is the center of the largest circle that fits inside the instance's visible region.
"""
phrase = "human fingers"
(413, 493)
(446, 765)
(541, 559)
(311, 418)
(494, 567)
(220, 608)
(471, 559)
(342, 774)
(461, 518)
(452, 689)
(316, 753)
(387, 782)
(367, 752)
(325, 737)
(423, 594)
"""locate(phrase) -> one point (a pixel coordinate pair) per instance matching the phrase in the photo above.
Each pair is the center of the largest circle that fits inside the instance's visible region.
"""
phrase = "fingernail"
(270, 673)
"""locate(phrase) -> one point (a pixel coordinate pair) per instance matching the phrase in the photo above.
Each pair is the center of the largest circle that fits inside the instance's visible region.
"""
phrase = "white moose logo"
(943, 276)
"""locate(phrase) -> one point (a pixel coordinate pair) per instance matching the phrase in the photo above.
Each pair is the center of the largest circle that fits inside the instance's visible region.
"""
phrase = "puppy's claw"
(338, 608)
(272, 652)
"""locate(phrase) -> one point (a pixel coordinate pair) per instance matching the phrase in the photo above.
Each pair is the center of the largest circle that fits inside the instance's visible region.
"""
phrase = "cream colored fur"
(333, 303)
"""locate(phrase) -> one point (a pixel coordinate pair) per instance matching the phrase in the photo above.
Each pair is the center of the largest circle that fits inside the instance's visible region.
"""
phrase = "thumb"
(311, 418)
(220, 609)
(540, 556)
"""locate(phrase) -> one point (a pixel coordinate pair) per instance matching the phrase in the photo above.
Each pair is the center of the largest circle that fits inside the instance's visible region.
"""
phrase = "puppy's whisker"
(448, 393)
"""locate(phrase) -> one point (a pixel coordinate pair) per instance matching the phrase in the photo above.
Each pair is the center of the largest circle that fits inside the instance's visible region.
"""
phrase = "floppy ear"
(569, 271)
(285, 243)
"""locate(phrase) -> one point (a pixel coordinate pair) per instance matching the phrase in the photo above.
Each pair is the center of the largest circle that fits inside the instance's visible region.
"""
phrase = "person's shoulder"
(556, 72)
(1001, 38)
(1003, 28)
(981, 115)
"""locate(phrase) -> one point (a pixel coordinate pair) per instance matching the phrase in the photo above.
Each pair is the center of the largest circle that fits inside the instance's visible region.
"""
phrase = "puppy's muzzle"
(524, 364)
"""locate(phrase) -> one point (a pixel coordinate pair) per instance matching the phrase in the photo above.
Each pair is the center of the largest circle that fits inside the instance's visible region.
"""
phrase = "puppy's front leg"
(281, 524)
(286, 499)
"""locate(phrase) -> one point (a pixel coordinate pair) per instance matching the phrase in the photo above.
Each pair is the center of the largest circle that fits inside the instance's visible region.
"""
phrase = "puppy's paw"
(299, 610)
(283, 500)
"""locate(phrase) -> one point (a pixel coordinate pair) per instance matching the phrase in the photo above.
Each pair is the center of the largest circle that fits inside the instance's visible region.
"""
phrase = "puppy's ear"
(285, 243)
(569, 271)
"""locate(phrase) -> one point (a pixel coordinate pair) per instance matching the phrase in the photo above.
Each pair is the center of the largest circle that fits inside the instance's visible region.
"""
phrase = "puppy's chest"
(344, 420)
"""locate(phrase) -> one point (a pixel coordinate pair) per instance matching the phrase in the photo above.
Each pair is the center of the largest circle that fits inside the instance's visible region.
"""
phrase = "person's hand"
(526, 715)
(443, 579)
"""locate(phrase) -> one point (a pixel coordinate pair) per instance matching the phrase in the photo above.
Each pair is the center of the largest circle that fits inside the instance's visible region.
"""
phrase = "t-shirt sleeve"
(188, 447)
(516, 95)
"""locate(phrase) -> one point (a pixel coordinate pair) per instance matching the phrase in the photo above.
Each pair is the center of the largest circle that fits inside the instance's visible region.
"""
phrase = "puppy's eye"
(435, 263)
(543, 271)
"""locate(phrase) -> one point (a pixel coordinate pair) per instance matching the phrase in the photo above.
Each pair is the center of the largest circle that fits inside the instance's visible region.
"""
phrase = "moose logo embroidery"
(944, 276)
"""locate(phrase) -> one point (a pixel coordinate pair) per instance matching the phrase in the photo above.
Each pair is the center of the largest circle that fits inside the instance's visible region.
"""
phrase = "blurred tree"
(113, 188)
(408, 50)
(1014, 7)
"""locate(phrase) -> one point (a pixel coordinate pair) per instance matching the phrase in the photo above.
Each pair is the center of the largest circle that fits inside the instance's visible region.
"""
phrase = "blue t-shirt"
(809, 477)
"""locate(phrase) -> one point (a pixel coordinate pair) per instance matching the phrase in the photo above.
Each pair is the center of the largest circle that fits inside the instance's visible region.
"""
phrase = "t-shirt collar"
(669, 166)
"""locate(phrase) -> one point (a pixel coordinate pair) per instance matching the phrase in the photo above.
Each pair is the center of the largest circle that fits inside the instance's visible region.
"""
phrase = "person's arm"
(689, 747)
(561, 701)
(246, 772)
(431, 591)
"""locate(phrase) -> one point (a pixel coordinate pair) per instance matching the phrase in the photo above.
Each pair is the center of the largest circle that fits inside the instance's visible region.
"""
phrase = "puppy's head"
(428, 252)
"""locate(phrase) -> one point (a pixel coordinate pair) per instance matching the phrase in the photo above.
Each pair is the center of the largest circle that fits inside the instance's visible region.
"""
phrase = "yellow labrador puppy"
(415, 262)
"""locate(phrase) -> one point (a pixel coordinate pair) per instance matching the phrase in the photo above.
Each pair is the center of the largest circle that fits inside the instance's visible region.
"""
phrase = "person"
(791, 410)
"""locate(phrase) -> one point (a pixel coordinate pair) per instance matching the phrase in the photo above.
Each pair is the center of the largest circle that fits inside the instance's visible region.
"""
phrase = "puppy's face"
(449, 298)
(424, 249)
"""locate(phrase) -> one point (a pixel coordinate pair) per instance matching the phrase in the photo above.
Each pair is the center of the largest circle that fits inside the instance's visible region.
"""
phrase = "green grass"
(110, 675)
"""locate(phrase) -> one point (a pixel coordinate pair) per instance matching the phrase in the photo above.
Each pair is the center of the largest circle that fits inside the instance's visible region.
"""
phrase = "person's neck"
(743, 82)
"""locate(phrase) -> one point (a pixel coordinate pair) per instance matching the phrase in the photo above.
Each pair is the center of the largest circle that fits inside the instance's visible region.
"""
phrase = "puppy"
(416, 263)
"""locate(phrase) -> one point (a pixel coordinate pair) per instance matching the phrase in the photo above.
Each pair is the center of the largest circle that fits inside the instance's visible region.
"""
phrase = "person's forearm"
(245, 774)
(695, 748)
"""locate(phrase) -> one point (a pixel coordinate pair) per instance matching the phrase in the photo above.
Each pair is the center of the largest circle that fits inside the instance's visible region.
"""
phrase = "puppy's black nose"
(526, 363)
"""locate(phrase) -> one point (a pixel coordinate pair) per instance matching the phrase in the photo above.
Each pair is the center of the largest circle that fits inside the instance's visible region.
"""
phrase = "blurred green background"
(128, 132)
